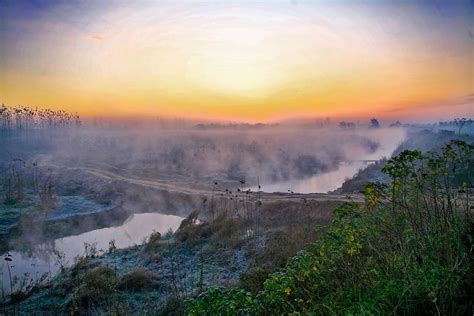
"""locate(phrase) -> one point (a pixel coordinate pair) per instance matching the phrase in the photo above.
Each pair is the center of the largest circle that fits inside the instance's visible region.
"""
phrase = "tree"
(346, 125)
(460, 122)
(374, 123)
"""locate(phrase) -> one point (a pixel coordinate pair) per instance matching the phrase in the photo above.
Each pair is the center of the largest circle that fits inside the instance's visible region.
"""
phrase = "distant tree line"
(457, 122)
(26, 118)
(374, 123)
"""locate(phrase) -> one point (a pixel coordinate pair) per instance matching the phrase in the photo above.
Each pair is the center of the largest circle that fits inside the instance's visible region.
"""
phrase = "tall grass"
(406, 250)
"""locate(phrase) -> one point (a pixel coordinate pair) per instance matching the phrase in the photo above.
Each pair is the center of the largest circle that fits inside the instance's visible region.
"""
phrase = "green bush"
(219, 301)
(406, 250)
(252, 281)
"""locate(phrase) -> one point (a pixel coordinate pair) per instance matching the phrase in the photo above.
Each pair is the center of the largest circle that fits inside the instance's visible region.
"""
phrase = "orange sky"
(234, 60)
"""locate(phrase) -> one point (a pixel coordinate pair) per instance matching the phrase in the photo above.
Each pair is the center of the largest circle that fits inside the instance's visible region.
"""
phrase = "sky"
(253, 61)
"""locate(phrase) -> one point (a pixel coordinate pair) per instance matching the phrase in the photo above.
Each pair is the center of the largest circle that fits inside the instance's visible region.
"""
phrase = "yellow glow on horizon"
(233, 63)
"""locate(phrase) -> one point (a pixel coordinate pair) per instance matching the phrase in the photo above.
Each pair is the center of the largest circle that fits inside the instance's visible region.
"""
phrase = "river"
(30, 265)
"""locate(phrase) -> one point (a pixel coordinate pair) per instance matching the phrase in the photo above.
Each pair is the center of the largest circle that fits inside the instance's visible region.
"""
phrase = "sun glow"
(236, 60)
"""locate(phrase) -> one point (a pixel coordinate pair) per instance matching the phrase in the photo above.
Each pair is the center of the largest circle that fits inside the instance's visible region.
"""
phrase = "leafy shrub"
(219, 301)
(406, 250)
(252, 281)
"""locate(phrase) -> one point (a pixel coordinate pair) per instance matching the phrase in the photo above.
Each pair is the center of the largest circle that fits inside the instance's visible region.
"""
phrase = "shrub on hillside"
(153, 243)
(137, 279)
(98, 284)
(222, 232)
(406, 250)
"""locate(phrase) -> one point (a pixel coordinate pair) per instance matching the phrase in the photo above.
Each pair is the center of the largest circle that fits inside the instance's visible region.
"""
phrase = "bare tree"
(460, 122)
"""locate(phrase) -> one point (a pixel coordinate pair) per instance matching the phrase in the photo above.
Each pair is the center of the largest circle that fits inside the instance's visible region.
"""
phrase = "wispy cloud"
(467, 99)
(97, 37)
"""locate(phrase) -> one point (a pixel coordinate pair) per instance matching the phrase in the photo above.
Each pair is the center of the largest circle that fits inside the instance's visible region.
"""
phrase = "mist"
(100, 175)
(265, 154)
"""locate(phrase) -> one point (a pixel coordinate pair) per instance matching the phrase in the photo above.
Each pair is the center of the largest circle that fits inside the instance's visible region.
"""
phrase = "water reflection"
(44, 258)
(330, 181)
(321, 183)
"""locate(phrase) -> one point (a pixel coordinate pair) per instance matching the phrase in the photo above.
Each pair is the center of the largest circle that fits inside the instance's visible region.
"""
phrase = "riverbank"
(154, 276)
(243, 237)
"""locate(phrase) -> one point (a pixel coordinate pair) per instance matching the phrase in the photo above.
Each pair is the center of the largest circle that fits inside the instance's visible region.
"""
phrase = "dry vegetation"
(232, 248)
(249, 252)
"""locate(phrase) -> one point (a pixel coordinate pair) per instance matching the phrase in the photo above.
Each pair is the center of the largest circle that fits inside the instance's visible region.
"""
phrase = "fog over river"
(280, 159)
(333, 179)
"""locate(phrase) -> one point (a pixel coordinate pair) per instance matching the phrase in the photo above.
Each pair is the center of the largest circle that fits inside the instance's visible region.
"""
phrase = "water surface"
(41, 259)
(388, 141)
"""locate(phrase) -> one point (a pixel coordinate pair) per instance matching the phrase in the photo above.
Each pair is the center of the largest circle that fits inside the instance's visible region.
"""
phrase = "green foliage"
(253, 280)
(219, 301)
(406, 250)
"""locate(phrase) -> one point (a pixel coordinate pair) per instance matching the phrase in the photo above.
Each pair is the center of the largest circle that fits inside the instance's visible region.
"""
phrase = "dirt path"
(151, 183)
(179, 188)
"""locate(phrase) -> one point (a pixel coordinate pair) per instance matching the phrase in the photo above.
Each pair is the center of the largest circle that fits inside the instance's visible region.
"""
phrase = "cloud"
(467, 99)
(97, 37)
